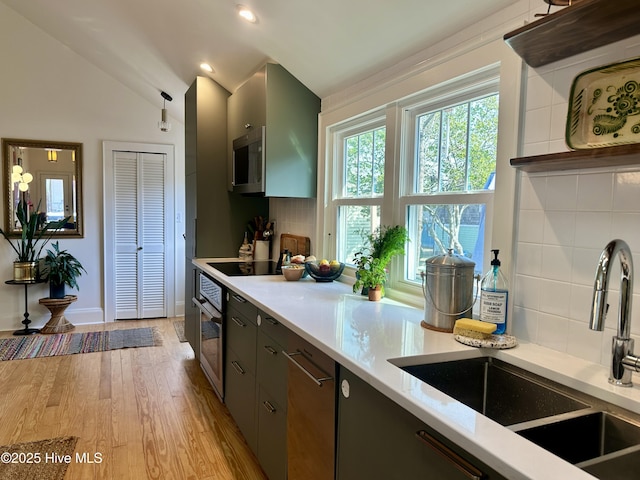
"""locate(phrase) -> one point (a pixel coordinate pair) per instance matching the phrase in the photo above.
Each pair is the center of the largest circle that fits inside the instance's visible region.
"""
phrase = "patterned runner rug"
(15, 467)
(71, 343)
(179, 327)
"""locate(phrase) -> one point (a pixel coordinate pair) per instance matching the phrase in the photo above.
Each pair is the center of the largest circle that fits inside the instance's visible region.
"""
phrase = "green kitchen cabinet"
(377, 438)
(274, 98)
(240, 367)
(215, 219)
(256, 382)
(272, 397)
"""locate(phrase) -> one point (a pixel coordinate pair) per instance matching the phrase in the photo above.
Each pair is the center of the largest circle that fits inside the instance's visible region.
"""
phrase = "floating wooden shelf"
(617, 156)
(586, 25)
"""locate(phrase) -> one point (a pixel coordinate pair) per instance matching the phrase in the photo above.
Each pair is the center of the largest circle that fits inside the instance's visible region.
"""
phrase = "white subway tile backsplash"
(539, 148)
(531, 226)
(537, 125)
(558, 123)
(555, 268)
(532, 192)
(556, 263)
(554, 297)
(583, 342)
(539, 90)
(553, 332)
(627, 227)
(526, 291)
(626, 194)
(580, 303)
(562, 79)
(559, 228)
(524, 324)
(583, 265)
(529, 259)
(562, 192)
(593, 229)
(595, 192)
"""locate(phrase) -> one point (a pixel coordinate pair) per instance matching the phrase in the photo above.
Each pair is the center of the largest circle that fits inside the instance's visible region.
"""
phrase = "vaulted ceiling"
(155, 45)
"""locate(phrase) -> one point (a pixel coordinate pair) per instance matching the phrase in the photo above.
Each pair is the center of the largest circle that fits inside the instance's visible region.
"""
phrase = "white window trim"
(391, 98)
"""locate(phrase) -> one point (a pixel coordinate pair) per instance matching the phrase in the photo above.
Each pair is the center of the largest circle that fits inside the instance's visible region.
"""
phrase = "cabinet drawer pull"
(272, 321)
(317, 381)
(270, 349)
(463, 466)
(238, 368)
(270, 408)
(238, 298)
(238, 322)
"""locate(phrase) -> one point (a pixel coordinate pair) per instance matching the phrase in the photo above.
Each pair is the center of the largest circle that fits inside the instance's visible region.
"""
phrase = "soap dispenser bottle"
(494, 296)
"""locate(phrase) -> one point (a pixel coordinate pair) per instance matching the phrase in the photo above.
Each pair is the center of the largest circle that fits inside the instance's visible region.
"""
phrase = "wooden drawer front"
(311, 354)
(272, 436)
(272, 368)
(243, 306)
(272, 327)
(240, 397)
(241, 338)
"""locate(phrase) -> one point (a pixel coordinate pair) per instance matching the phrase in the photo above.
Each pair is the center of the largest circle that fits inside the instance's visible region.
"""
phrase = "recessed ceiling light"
(206, 67)
(246, 13)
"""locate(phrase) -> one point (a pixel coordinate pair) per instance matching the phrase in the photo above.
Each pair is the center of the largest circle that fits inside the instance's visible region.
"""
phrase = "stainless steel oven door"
(211, 348)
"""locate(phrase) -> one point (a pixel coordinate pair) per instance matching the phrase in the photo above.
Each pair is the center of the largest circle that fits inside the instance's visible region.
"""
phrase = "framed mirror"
(48, 177)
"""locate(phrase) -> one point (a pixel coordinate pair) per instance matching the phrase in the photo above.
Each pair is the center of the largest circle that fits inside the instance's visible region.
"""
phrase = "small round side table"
(57, 323)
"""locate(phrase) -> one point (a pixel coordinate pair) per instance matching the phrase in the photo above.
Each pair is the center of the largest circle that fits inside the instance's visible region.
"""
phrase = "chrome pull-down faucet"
(623, 362)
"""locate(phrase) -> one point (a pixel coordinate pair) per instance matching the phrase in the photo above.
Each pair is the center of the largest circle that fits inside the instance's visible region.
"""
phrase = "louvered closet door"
(140, 277)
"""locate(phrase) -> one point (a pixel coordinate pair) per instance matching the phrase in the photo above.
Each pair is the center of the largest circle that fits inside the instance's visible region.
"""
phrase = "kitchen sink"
(584, 437)
(496, 389)
(596, 436)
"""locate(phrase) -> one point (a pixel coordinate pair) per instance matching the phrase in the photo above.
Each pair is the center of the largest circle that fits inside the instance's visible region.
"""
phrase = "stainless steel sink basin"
(596, 436)
(620, 465)
(496, 389)
(585, 436)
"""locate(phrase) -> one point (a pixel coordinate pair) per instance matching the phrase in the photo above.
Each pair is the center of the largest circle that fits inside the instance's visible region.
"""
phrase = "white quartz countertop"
(363, 336)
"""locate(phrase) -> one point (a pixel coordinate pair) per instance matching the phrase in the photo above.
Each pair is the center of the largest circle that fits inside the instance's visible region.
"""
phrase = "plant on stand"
(371, 262)
(33, 238)
(61, 268)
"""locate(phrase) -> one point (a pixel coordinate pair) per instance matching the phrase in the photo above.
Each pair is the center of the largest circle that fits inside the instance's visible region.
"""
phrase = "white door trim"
(108, 148)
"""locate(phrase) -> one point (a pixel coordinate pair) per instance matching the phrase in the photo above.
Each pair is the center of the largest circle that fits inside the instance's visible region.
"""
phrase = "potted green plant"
(371, 263)
(371, 276)
(61, 268)
(34, 236)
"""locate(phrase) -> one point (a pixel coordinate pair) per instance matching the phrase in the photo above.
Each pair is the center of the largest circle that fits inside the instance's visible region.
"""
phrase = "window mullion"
(467, 162)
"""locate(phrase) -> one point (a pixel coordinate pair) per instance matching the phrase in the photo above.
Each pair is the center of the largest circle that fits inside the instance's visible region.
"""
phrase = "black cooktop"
(236, 269)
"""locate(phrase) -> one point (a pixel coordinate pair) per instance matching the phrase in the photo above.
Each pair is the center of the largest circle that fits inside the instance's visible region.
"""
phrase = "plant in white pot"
(34, 236)
(61, 268)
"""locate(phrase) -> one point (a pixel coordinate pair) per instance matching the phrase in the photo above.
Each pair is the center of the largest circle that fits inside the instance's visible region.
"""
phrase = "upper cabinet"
(586, 25)
(275, 99)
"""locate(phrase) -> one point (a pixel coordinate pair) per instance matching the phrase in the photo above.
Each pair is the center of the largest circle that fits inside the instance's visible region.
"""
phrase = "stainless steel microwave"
(248, 162)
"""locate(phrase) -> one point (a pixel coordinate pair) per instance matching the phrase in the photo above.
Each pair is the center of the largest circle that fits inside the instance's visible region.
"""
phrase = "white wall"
(47, 92)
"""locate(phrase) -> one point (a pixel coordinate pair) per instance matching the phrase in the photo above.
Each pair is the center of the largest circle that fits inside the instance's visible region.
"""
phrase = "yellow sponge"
(474, 328)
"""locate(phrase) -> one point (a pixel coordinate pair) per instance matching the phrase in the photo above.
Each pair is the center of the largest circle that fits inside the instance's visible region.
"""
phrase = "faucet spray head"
(599, 309)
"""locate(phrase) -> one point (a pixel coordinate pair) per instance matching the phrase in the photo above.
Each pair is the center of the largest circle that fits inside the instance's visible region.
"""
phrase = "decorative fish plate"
(604, 106)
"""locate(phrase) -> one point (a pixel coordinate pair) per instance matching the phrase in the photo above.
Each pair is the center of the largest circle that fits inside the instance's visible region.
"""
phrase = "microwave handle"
(233, 167)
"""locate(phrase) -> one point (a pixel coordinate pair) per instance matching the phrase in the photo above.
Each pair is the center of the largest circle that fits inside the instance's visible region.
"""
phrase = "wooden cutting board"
(296, 244)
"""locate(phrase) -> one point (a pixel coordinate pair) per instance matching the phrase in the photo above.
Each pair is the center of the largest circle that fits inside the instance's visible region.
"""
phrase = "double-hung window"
(359, 183)
(427, 162)
(449, 173)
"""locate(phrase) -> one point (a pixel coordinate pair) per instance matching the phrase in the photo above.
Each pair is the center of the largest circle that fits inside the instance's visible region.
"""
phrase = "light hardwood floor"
(149, 412)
